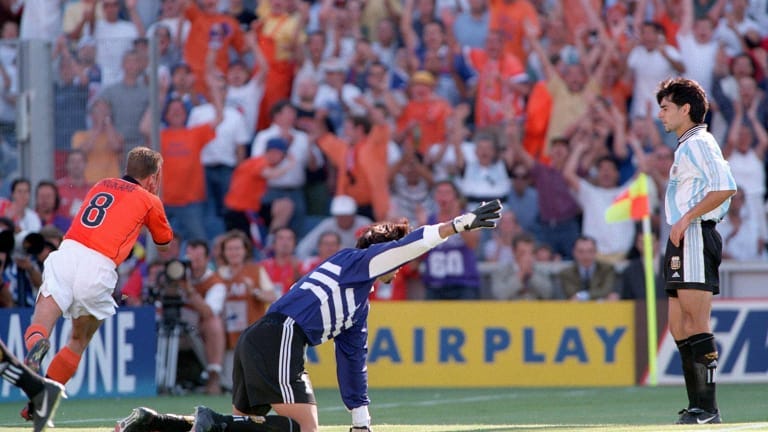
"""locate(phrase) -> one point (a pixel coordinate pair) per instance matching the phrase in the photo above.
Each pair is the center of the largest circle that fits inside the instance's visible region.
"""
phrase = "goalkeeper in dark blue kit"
(331, 302)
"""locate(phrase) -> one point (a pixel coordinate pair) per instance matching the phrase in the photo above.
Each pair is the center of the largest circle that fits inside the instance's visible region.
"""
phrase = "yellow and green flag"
(632, 203)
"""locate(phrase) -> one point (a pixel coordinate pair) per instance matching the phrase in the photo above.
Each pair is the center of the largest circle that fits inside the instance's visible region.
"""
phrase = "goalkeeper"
(331, 302)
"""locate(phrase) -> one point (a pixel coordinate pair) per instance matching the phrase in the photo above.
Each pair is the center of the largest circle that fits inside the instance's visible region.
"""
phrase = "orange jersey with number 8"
(112, 215)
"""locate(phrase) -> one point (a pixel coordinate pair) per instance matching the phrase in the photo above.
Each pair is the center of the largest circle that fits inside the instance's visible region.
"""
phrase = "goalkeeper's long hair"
(383, 232)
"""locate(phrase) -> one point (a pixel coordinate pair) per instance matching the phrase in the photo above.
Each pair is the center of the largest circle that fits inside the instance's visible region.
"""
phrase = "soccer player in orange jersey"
(79, 278)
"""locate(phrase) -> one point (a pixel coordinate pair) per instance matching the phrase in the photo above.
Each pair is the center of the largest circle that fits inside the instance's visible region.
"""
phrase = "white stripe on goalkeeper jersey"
(333, 285)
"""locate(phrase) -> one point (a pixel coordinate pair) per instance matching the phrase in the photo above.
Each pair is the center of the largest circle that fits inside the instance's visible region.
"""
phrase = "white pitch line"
(745, 427)
(430, 402)
(329, 409)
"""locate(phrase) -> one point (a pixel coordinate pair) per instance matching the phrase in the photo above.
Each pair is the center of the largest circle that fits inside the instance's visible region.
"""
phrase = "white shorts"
(80, 280)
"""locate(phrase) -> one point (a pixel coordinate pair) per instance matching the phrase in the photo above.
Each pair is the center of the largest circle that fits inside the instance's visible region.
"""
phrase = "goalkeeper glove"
(485, 216)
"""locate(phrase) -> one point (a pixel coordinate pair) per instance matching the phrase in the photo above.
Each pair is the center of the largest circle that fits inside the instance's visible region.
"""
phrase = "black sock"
(13, 371)
(704, 351)
(272, 423)
(172, 423)
(686, 359)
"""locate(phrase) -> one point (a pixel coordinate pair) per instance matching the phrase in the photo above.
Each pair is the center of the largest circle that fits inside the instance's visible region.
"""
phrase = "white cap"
(343, 205)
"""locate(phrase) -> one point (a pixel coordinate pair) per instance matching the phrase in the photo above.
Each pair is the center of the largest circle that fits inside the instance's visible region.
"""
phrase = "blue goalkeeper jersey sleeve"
(331, 302)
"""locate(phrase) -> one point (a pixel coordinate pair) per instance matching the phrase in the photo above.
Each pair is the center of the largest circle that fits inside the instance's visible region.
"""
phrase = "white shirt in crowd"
(230, 133)
(113, 39)
(247, 99)
(649, 68)
(299, 148)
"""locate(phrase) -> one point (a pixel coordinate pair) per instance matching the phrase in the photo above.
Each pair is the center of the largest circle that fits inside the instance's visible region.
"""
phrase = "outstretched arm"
(385, 257)
(410, 40)
(761, 135)
(214, 86)
(532, 36)
(486, 215)
(686, 21)
(572, 164)
(260, 64)
(133, 13)
(734, 131)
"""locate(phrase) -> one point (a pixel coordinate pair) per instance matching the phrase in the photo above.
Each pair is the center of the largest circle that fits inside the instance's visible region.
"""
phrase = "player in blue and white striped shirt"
(331, 302)
(698, 195)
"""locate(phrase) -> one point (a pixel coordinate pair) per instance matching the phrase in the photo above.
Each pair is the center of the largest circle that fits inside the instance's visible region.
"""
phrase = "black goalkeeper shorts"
(268, 366)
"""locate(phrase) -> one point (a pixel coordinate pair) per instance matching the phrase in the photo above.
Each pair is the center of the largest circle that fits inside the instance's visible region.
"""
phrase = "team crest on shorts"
(674, 263)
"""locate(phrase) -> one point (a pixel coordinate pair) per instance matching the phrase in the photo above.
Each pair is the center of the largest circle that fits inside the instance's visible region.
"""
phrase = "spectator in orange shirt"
(537, 114)
(249, 184)
(210, 29)
(183, 174)
(183, 180)
(509, 17)
(502, 83)
(668, 14)
(281, 36)
(362, 172)
(425, 115)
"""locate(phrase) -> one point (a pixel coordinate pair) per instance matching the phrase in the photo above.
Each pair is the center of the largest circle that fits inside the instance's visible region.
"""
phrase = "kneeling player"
(145, 419)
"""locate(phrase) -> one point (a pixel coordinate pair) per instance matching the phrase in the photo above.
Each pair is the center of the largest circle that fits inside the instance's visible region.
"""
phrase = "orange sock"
(63, 366)
(34, 333)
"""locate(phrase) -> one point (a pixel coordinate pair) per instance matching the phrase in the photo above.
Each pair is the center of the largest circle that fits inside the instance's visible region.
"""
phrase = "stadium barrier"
(741, 332)
(119, 361)
(738, 279)
(493, 344)
(446, 344)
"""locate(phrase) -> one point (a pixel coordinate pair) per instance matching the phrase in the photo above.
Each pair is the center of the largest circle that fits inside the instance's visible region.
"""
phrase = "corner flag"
(632, 203)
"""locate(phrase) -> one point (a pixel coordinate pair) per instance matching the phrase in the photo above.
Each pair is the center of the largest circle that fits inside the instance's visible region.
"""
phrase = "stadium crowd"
(287, 126)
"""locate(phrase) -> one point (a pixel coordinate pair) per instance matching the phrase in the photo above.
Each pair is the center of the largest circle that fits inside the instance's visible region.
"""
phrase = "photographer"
(191, 298)
(27, 269)
(205, 295)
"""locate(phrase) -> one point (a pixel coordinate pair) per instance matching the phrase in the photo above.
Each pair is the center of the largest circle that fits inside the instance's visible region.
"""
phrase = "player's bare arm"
(710, 202)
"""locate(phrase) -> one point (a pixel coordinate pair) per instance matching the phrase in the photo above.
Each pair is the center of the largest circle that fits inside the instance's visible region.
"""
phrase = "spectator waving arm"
(133, 13)
(570, 171)
(532, 35)
(686, 20)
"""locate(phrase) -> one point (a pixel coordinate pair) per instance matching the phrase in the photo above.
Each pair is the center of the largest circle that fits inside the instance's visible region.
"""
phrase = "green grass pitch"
(744, 408)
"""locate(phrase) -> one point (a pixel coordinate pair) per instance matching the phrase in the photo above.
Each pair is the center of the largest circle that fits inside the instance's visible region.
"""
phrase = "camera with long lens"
(168, 290)
(175, 335)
